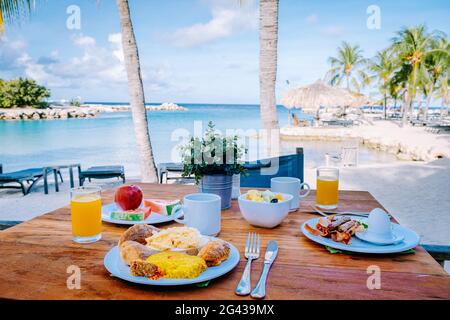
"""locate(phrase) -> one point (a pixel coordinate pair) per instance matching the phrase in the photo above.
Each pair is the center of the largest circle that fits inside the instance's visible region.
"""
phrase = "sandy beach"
(408, 143)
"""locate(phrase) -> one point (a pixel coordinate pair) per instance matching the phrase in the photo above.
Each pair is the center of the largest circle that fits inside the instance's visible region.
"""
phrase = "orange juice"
(86, 213)
(327, 191)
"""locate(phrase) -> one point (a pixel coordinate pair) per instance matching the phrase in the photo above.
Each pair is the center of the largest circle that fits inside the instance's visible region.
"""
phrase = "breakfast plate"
(119, 269)
(396, 237)
(153, 218)
(410, 240)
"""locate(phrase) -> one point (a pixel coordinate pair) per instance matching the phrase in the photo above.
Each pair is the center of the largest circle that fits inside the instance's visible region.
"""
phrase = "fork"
(251, 253)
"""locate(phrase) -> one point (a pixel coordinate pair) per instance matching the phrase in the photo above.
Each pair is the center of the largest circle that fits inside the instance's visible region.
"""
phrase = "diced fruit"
(165, 207)
(264, 196)
(279, 197)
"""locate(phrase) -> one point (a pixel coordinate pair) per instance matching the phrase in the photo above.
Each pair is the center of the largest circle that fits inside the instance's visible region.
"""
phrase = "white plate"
(365, 236)
(411, 240)
(119, 269)
(153, 218)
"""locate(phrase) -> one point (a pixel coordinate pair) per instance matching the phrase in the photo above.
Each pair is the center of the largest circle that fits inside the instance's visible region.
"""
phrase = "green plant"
(75, 102)
(212, 154)
(349, 65)
(22, 93)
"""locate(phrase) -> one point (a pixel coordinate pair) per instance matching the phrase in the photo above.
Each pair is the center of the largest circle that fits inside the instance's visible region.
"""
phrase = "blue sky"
(203, 51)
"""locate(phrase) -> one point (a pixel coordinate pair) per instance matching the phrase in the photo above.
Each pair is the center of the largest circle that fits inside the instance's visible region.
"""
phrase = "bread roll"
(131, 251)
(138, 233)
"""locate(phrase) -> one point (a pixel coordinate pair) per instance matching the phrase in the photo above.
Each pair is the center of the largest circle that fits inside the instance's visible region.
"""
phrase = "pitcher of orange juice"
(86, 214)
(327, 188)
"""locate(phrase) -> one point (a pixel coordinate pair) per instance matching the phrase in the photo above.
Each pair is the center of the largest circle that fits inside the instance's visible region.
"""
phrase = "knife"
(271, 253)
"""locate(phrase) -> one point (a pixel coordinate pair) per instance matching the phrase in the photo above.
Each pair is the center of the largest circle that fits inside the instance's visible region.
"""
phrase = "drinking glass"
(327, 188)
(86, 212)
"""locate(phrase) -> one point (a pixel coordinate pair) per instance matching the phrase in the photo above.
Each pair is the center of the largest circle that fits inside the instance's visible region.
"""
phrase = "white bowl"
(264, 214)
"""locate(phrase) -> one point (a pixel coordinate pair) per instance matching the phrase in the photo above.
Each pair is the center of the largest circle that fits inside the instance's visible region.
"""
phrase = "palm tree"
(268, 37)
(136, 92)
(13, 9)
(348, 65)
(443, 93)
(413, 46)
(436, 67)
(383, 67)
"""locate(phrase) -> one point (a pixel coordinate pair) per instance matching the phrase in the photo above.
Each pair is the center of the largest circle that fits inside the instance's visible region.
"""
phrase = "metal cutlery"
(346, 213)
(271, 253)
(251, 253)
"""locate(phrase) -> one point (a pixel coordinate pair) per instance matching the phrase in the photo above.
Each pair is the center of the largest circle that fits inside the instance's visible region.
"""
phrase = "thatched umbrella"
(319, 94)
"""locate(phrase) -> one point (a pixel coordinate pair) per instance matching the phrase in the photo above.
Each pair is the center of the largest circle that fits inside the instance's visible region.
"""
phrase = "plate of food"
(169, 257)
(130, 208)
(339, 232)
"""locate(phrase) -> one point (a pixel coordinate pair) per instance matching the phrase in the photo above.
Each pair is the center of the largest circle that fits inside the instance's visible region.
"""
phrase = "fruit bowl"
(264, 214)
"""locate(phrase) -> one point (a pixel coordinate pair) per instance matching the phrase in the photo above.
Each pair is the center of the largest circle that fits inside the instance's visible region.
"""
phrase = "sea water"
(109, 139)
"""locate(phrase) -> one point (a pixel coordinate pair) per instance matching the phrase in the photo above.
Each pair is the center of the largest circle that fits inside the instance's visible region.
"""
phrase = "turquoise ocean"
(109, 137)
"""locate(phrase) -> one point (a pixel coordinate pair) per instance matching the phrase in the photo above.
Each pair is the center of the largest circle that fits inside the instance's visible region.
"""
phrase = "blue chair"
(260, 172)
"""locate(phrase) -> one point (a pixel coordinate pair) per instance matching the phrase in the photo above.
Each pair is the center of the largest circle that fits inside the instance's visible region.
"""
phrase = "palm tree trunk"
(268, 38)
(405, 108)
(385, 106)
(136, 93)
(427, 107)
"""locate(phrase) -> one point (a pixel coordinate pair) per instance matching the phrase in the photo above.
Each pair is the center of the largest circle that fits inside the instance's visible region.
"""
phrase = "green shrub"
(75, 102)
(21, 93)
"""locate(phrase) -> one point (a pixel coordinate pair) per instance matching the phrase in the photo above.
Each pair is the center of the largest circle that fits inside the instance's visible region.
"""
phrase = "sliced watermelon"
(161, 206)
(138, 214)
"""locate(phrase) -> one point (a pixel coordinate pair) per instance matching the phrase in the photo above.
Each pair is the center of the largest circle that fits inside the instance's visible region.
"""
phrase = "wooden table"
(35, 255)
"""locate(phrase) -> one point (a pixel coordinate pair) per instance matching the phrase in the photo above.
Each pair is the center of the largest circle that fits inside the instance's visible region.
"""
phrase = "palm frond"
(11, 10)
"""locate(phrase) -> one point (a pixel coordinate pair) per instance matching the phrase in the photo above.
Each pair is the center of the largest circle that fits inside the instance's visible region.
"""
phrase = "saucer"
(369, 237)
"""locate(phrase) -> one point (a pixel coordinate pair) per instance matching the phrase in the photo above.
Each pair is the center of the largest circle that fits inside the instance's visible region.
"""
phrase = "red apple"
(128, 197)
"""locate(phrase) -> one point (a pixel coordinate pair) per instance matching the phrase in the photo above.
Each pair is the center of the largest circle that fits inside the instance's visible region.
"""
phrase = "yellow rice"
(178, 264)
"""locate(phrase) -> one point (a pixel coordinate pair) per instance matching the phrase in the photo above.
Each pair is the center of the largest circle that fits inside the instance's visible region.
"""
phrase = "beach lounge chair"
(261, 171)
(102, 172)
(164, 169)
(8, 224)
(26, 179)
(440, 253)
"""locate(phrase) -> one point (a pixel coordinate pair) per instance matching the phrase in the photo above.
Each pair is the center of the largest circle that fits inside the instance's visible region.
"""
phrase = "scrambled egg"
(177, 264)
(175, 238)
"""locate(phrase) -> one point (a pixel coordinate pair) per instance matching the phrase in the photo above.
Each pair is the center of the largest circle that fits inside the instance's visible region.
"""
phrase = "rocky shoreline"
(84, 111)
(409, 143)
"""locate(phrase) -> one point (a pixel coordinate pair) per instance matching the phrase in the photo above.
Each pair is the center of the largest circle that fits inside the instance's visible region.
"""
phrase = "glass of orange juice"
(86, 212)
(327, 188)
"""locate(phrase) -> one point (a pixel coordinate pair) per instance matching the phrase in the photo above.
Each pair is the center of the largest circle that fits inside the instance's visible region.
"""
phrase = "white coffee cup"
(201, 211)
(291, 186)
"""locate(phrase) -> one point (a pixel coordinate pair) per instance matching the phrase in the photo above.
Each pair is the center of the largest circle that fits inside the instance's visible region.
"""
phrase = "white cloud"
(9, 51)
(227, 18)
(82, 41)
(95, 67)
(116, 39)
(333, 31)
(312, 19)
(39, 72)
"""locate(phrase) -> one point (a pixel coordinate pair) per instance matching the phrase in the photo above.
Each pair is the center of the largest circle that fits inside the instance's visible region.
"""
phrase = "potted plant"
(213, 160)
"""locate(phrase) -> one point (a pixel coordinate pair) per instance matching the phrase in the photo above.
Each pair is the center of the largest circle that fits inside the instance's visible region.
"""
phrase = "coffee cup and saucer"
(380, 230)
